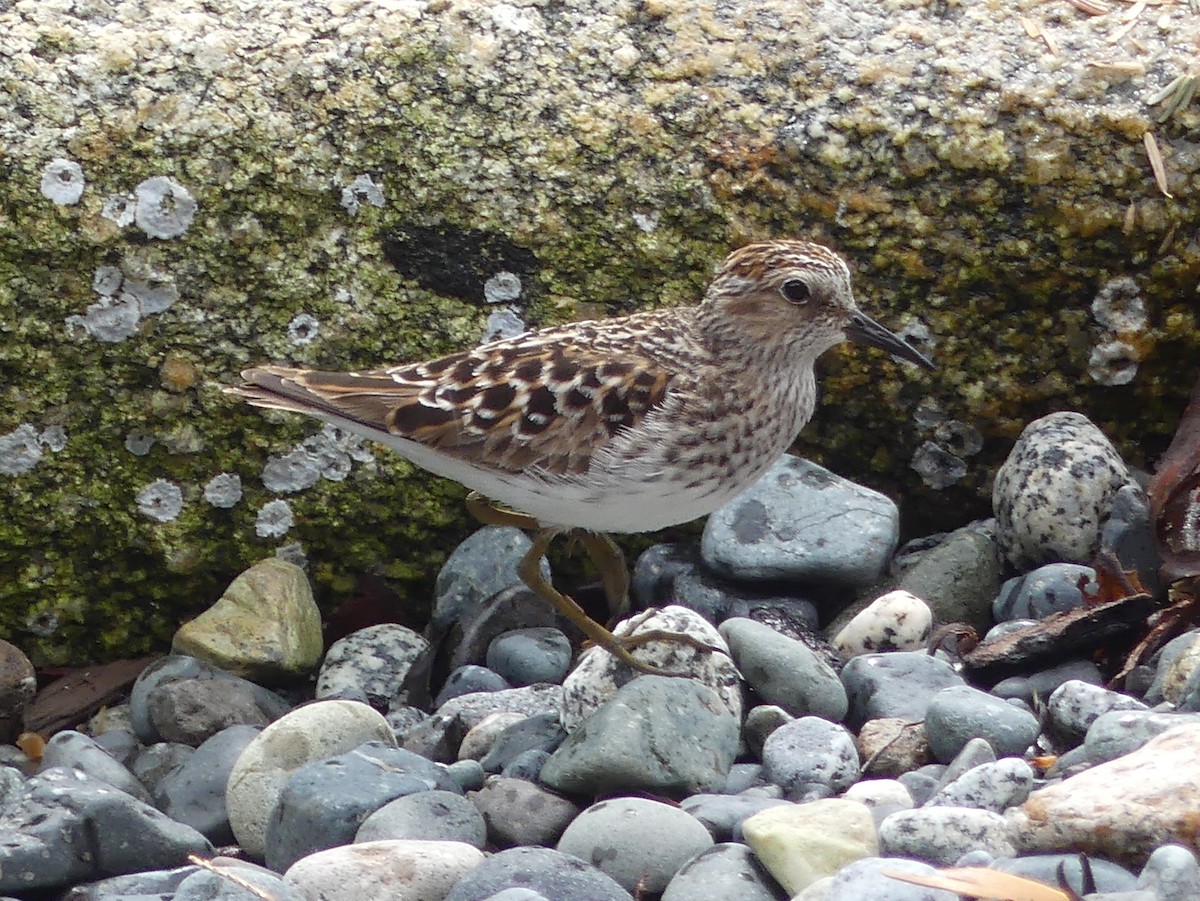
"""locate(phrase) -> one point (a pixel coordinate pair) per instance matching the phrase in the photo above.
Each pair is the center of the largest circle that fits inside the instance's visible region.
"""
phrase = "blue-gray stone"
(1120, 732)
(426, 816)
(1041, 684)
(899, 684)
(553, 874)
(801, 522)
(518, 812)
(1110, 877)
(721, 815)
(957, 578)
(469, 679)
(960, 713)
(483, 565)
(1172, 873)
(811, 757)
(540, 732)
(209, 886)
(529, 656)
(195, 793)
(150, 884)
(722, 873)
(75, 750)
(1053, 588)
(869, 879)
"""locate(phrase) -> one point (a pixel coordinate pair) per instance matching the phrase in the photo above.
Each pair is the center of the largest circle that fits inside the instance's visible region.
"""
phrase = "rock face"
(187, 191)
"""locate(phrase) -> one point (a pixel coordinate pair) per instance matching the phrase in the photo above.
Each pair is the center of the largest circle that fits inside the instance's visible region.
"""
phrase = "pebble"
(265, 627)
(891, 746)
(149, 883)
(434, 815)
(18, 685)
(1177, 661)
(529, 656)
(994, 786)
(958, 577)
(882, 797)
(511, 609)
(900, 684)
(469, 679)
(540, 732)
(1042, 683)
(722, 873)
(553, 874)
(1123, 809)
(638, 842)
(1075, 705)
(870, 879)
(73, 750)
(811, 757)
(323, 803)
(941, 835)
(1053, 588)
(1129, 536)
(783, 671)
(1109, 877)
(206, 885)
(440, 736)
(306, 734)
(1113, 735)
(801, 843)
(480, 567)
(194, 794)
(598, 675)
(760, 723)
(722, 815)
(800, 522)
(896, 621)
(64, 827)
(370, 664)
(1172, 873)
(480, 739)
(385, 869)
(517, 812)
(957, 714)
(1055, 490)
(685, 742)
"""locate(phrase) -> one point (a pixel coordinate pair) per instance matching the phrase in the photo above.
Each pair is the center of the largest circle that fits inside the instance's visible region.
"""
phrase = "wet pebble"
(518, 812)
(528, 656)
(811, 758)
(899, 684)
(960, 713)
(1053, 588)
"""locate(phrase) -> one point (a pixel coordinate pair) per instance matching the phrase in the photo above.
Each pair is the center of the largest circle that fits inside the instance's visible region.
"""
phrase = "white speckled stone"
(399, 868)
(896, 621)
(370, 663)
(1053, 493)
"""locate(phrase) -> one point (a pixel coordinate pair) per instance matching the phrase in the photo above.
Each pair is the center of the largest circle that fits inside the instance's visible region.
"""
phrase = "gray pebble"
(1119, 732)
(551, 873)
(721, 815)
(1172, 873)
(469, 679)
(1053, 588)
(540, 732)
(992, 786)
(529, 656)
(783, 671)
(429, 816)
(521, 813)
(899, 684)
(1110, 877)
(1075, 705)
(194, 794)
(941, 835)
(1041, 684)
(75, 750)
(722, 873)
(868, 880)
(811, 755)
(209, 886)
(478, 568)
(960, 713)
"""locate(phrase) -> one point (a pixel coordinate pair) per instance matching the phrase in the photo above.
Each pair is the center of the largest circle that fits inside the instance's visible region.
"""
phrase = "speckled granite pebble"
(555, 875)
(1054, 492)
(1075, 705)
(941, 835)
(991, 786)
(370, 664)
(811, 757)
(802, 522)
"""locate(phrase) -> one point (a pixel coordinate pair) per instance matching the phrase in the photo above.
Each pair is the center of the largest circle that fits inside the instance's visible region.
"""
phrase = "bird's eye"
(795, 290)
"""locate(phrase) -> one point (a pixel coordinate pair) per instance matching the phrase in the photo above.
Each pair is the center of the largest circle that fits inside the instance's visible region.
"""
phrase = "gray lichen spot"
(154, 293)
(1119, 308)
(292, 472)
(63, 182)
(109, 319)
(107, 280)
(304, 328)
(53, 438)
(161, 500)
(164, 208)
(44, 623)
(120, 208)
(503, 287)
(292, 552)
(646, 222)
(502, 323)
(274, 519)
(139, 443)
(224, 490)
(1113, 362)
(362, 190)
(937, 466)
(20, 450)
(1119, 305)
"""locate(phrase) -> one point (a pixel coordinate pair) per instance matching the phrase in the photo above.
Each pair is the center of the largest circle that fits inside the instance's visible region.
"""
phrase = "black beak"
(865, 330)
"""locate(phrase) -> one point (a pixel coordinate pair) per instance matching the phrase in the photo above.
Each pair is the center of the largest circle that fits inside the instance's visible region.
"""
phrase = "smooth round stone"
(467, 680)
(1172, 873)
(551, 873)
(181, 715)
(122, 742)
(1121, 732)
(540, 732)
(783, 671)
(18, 685)
(896, 621)
(1074, 706)
(324, 803)
(74, 750)
(869, 880)
(308, 733)
(440, 736)
(517, 812)
(684, 740)
(722, 815)
(900, 684)
(958, 578)
(158, 762)
(467, 774)
(811, 754)
(991, 786)
(1176, 662)
(802, 522)
(384, 869)
(265, 627)
(975, 753)
(761, 721)
(526, 765)
(529, 656)
(208, 886)
(426, 816)
(1041, 684)
(882, 797)
(599, 674)
(942, 835)
(480, 739)
(892, 746)
(957, 714)
(149, 884)
(1110, 877)
(801, 843)
(652, 581)
(1129, 535)
(64, 827)
(722, 873)
(1054, 491)
(639, 843)
(1053, 588)
(370, 663)
(482, 566)
(194, 794)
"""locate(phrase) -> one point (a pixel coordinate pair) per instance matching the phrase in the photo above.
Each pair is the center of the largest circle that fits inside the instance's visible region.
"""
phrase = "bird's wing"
(549, 399)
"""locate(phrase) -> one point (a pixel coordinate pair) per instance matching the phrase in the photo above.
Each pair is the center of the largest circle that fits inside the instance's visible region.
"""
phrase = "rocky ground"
(485, 757)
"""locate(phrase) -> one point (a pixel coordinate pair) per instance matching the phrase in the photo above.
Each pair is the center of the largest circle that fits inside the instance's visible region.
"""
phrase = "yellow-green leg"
(608, 559)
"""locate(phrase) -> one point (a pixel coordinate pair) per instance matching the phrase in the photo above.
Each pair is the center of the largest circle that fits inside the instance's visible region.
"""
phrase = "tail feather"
(364, 399)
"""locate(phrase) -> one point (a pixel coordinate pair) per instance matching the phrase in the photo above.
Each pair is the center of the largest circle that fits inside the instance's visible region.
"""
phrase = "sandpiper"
(629, 424)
